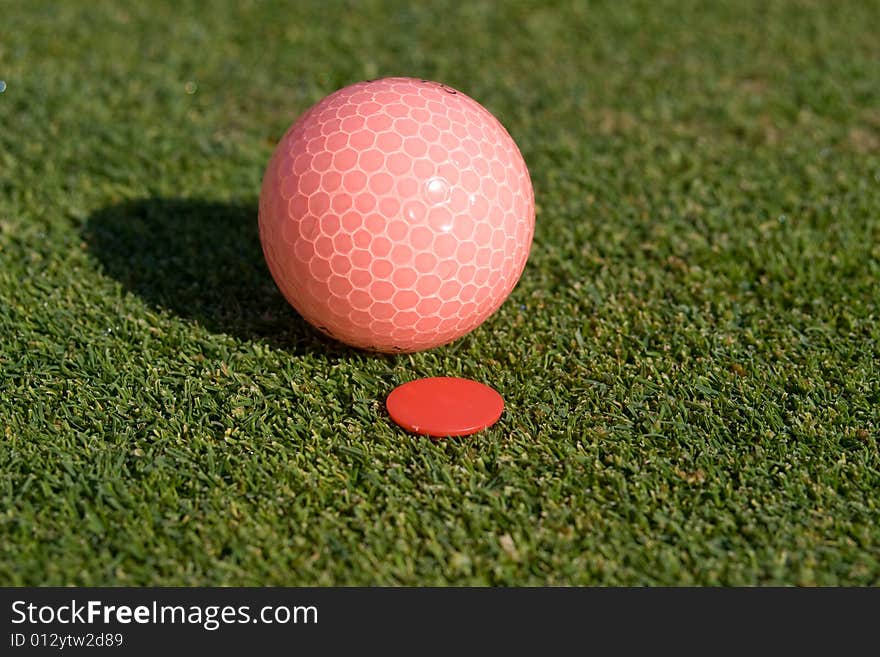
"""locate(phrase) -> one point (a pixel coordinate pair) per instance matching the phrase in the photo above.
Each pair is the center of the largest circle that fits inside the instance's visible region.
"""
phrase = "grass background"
(690, 361)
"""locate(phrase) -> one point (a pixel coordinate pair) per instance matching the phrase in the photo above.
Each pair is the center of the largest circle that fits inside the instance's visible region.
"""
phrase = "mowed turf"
(690, 360)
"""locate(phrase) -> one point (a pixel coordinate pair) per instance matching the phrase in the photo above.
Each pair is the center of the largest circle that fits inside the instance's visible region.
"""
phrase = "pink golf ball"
(396, 215)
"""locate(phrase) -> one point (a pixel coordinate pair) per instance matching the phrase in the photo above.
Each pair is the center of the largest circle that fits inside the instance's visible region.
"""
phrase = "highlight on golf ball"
(396, 215)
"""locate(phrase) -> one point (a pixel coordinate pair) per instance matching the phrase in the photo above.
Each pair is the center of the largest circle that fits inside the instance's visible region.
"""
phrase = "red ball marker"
(444, 406)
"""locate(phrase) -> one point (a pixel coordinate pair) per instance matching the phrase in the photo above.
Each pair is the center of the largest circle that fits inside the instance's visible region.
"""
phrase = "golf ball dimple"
(396, 215)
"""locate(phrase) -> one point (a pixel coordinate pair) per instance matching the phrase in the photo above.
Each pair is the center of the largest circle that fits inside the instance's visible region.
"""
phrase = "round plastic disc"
(444, 406)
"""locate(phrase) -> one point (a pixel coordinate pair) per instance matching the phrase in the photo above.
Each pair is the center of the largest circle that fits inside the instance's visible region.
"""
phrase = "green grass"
(691, 361)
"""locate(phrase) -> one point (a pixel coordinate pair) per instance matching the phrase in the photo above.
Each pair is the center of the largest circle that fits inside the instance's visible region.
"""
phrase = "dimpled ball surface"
(396, 215)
